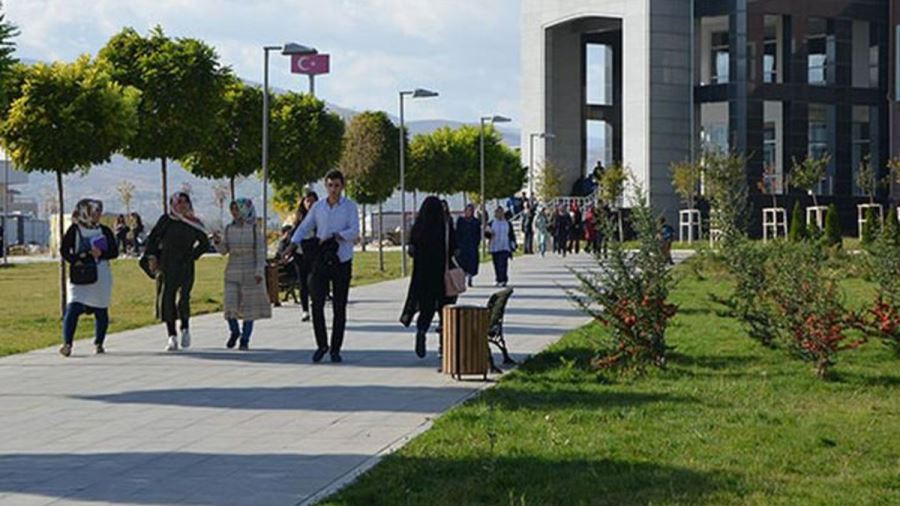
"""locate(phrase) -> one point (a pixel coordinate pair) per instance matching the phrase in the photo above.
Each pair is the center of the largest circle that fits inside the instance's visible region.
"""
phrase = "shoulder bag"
(454, 277)
(82, 271)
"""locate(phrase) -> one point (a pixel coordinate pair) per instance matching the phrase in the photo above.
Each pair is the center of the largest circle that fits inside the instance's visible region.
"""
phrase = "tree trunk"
(231, 186)
(363, 238)
(165, 187)
(380, 239)
(621, 227)
(62, 261)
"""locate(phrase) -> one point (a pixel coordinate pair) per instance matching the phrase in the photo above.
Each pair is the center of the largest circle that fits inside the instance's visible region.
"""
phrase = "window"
(820, 43)
(864, 139)
(821, 139)
(864, 55)
(598, 74)
(599, 144)
(719, 58)
(873, 57)
(773, 145)
(772, 49)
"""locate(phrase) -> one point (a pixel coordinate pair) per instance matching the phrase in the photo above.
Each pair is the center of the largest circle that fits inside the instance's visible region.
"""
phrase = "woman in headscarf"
(303, 255)
(245, 293)
(88, 247)
(177, 241)
(468, 237)
(431, 239)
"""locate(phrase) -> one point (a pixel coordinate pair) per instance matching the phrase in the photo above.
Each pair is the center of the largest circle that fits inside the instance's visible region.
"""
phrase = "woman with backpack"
(245, 293)
(87, 247)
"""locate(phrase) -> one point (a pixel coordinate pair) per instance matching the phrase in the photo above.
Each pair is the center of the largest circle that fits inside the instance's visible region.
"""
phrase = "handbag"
(454, 277)
(82, 272)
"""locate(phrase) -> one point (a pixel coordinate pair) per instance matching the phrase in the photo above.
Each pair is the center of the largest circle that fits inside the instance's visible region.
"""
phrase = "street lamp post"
(417, 93)
(5, 210)
(288, 49)
(542, 135)
(492, 119)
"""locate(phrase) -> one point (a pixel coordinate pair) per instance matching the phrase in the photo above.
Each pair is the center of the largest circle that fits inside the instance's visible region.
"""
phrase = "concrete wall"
(551, 85)
(656, 94)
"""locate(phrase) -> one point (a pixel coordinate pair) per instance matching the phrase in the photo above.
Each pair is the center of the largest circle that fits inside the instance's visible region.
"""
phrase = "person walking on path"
(590, 231)
(137, 234)
(432, 243)
(503, 243)
(468, 238)
(245, 294)
(576, 230)
(88, 247)
(563, 226)
(122, 231)
(542, 224)
(336, 222)
(176, 242)
(528, 227)
(304, 252)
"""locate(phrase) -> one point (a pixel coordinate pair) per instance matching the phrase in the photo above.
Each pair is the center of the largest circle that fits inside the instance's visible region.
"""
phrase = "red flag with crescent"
(311, 64)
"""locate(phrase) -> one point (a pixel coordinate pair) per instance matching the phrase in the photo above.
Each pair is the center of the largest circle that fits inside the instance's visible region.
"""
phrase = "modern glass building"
(651, 82)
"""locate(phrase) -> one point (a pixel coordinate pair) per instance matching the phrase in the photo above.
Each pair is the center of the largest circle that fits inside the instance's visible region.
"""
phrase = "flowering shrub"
(628, 293)
(809, 312)
(746, 261)
(882, 320)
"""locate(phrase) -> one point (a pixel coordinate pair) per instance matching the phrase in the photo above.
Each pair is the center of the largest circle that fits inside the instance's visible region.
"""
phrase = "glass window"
(861, 140)
(773, 123)
(773, 30)
(598, 74)
(599, 144)
(820, 43)
(873, 57)
(821, 139)
(719, 58)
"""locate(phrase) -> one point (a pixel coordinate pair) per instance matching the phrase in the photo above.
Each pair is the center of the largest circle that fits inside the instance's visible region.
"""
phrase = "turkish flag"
(311, 65)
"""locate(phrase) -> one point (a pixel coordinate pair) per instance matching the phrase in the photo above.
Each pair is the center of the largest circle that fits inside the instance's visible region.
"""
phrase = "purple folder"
(99, 242)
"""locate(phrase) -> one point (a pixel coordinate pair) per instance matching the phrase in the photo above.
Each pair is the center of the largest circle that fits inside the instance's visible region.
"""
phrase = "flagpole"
(312, 84)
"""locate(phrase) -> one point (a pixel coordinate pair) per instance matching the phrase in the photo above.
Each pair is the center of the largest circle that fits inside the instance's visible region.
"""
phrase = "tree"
(126, 194)
(8, 61)
(370, 162)
(891, 230)
(686, 181)
(68, 118)
(832, 236)
(306, 143)
(870, 227)
(726, 186)
(181, 82)
(867, 179)
(220, 196)
(807, 175)
(797, 232)
(441, 162)
(612, 189)
(549, 183)
(234, 149)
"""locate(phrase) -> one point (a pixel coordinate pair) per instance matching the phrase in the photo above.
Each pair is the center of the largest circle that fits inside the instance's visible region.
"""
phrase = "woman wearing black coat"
(430, 241)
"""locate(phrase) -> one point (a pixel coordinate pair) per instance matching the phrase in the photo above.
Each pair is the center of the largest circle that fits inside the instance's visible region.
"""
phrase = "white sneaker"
(173, 344)
(185, 338)
(305, 317)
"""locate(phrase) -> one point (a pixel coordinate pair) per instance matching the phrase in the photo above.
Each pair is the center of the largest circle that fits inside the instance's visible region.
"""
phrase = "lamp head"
(500, 119)
(292, 48)
(423, 93)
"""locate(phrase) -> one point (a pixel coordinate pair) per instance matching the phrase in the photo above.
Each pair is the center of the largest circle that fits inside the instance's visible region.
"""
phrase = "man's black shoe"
(317, 356)
(336, 358)
(232, 341)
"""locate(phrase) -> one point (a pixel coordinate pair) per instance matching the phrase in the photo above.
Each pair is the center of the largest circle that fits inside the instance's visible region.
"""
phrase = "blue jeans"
(70, 322)
(235, 330)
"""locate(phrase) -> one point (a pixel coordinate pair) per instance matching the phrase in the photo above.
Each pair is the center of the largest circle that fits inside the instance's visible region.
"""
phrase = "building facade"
(652, 82)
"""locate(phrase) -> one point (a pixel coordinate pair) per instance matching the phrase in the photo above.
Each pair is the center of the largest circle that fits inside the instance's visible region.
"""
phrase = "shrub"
(832, 236)
(882, 320)
(748, 303)
(809, 311)
(628, 293)
(797, 231)
(870, 228)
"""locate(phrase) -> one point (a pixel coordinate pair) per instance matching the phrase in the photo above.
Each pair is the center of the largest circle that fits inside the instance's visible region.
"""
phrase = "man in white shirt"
(336, 222)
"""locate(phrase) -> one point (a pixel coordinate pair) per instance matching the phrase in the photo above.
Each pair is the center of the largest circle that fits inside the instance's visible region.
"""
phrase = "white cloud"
(467, 49)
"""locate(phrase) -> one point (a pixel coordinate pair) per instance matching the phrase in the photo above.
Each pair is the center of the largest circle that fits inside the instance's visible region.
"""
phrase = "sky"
(467, 50)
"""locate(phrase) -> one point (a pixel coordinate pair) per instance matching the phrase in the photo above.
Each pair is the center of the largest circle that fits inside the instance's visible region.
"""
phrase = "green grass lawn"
(729, 422)
(29, 296)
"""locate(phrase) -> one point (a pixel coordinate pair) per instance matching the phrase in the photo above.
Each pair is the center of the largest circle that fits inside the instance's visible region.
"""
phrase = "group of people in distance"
(318, 246)
(130, 234)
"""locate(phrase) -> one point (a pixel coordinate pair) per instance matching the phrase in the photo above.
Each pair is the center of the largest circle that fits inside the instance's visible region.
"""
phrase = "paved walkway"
(216, 427)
